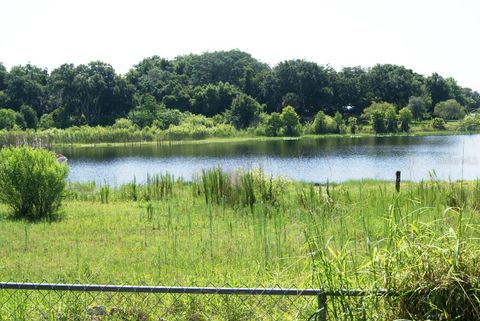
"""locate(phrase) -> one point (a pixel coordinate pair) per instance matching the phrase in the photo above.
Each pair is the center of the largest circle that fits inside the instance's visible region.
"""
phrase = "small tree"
(7, 118)
(291, 121)
(449, 110)
(339, 122)
(244, 112)
(273, 124)
(418, 107)
(405, 117)
(320, 123)
(352, 124)
(30, 116)
(32, 182)
(391, 120)
(378, 122)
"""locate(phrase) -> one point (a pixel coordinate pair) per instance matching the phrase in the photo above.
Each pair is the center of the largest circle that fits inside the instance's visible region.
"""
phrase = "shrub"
(470, 122)
(449, 110)
(32, 182)
(291, 121)
(378, 122)
(405, 117)
(7, 118)
(273, 124)
(352, 124)
(382, 116)
(323, 124)
(438, 123)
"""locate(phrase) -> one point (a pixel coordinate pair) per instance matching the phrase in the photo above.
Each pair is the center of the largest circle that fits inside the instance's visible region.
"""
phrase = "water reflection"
(319, 160)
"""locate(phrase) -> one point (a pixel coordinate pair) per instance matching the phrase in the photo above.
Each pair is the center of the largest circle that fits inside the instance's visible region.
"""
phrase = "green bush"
(438, 123)
(449, 110)
(470, 122)
(32, 182)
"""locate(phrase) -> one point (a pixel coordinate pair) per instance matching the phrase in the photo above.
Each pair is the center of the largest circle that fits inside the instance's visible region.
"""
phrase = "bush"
(470, 122)
(405, 117)
(449, 110)
(323, 124)
(32, 182)
(291, 121)
(438, 123)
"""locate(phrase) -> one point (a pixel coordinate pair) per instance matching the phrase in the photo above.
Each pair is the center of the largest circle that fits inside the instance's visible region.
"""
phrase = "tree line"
(229, 86)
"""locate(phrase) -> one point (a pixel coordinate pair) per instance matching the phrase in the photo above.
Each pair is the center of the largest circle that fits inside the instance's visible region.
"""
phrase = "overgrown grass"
(87, 135)
(247, 229)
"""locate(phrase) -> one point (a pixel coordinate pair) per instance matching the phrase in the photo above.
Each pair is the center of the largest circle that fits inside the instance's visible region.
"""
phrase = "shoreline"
(223, 140)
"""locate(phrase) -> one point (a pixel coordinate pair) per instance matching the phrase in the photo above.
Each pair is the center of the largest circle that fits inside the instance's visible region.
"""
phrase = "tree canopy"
(210, 83)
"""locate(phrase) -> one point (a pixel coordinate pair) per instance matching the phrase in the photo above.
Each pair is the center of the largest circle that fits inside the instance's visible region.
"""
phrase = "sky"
(423, 35)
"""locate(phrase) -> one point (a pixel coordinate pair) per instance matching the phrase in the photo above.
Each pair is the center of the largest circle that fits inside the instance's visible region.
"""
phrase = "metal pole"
(322, 307)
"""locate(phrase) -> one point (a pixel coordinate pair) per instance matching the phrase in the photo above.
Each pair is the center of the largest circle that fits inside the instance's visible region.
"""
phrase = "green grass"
(108, 136)
(245, 229)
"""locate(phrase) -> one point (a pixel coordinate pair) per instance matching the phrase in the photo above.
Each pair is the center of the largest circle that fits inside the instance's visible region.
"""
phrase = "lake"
(314, 160)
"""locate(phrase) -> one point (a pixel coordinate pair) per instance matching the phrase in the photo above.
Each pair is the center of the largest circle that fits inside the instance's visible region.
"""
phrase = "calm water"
(315, 160)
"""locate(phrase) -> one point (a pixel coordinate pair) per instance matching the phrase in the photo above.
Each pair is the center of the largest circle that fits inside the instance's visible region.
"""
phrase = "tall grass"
(245, 228)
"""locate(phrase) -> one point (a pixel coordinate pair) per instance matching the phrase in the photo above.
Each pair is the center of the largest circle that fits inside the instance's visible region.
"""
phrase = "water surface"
(314, 160)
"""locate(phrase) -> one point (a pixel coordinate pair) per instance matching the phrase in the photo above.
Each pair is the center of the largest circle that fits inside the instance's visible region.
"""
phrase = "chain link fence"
(82, 302)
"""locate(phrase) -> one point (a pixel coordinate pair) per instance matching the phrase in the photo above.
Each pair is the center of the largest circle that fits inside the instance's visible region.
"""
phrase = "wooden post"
(398, 179)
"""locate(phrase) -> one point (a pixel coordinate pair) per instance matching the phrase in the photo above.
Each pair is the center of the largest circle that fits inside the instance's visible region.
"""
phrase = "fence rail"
(18, 303)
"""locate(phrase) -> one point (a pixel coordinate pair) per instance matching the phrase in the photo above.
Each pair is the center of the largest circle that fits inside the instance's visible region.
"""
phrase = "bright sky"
(424, 35)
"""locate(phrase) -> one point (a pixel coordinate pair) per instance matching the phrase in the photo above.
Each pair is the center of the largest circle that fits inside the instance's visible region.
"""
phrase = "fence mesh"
(127, 303)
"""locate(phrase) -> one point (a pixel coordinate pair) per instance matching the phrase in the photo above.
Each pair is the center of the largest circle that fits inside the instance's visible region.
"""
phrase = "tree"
(93, 94)
(244, 112)
(213, 99)
(340, 123)
(439, 89)
(291, 121)
(352, 124)
(405, 117)
(418, 107)
(144, 114)
(323, 124)
(30, 116)
(273, 124)
(3, 76)
(7, 118)
(449, 110)
(394, 84)
(352, 88)
(166, 117)
(382, 110)
(378, 121)
(391, 120)
(303, 83)
(27, 85)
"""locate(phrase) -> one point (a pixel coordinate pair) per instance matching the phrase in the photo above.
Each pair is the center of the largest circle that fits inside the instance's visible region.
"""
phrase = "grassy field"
(245, 229)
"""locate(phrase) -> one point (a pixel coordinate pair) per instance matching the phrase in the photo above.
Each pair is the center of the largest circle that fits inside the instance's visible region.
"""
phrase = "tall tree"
(439, 89)
(91, 94)
(27, 85)
(308, 82)
(394, 84)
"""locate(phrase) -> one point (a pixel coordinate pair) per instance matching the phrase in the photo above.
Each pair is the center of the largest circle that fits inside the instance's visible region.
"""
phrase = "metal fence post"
(322, 307)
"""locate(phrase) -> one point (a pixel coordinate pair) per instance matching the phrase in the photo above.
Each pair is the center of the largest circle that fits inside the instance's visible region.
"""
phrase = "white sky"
(424, 35)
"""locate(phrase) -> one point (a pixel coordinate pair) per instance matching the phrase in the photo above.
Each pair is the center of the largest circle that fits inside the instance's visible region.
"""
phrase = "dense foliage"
(32, 182)
(232, 87)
